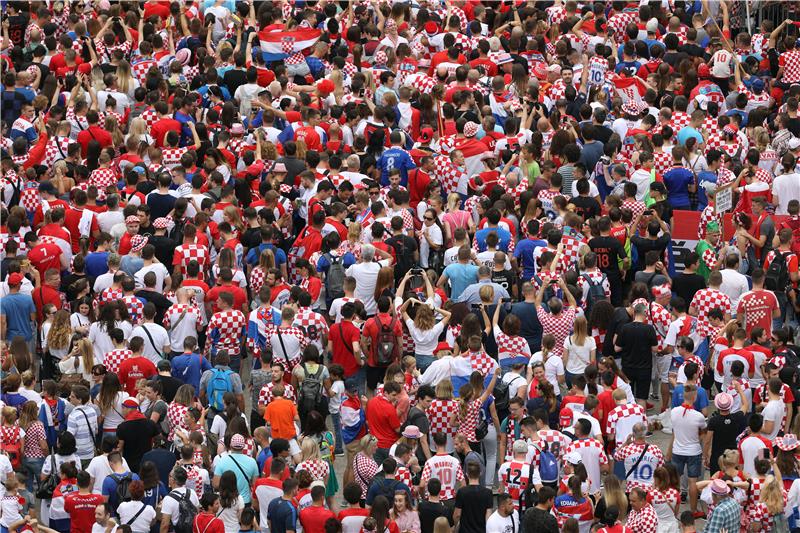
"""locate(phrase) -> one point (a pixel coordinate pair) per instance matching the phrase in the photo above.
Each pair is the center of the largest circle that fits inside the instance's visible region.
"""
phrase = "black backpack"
(123, 491)
(186, 511)
(334, 278)
(309, 397)
(502, 397)
(595, 294)
(386, 346)
(777, 277)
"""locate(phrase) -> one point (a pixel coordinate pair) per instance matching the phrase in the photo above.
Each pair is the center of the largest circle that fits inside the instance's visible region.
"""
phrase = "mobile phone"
(505, 300)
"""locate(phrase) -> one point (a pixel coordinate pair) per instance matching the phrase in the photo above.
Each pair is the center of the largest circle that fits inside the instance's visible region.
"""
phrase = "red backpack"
(793, 224)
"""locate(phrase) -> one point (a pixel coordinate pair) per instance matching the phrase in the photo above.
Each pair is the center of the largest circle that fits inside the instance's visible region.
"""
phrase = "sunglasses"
(429, 219)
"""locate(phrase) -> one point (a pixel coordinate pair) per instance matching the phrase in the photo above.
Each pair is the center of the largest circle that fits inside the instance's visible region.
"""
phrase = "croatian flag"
(277, 45)
(630, 89)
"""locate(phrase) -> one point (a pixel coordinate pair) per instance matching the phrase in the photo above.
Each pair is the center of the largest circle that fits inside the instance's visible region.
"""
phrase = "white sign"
(723, 200)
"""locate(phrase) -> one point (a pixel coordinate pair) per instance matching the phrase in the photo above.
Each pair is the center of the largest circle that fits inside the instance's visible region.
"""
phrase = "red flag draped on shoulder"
(282, 43)
(630, 89)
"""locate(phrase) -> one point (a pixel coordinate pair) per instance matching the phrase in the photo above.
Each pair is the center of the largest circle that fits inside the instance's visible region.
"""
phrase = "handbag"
(48, 486)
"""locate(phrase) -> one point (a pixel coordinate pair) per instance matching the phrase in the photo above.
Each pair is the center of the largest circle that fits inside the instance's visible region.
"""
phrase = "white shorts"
(661, 364)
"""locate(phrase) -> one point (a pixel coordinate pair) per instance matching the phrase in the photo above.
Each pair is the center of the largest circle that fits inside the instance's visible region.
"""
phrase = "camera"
(605, 160)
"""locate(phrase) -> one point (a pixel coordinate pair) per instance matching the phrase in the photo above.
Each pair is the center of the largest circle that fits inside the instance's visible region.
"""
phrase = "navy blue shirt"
(395, 157)
(96, 264)
(677, 181)
(189, 368)
(524, 254)
(282, 516)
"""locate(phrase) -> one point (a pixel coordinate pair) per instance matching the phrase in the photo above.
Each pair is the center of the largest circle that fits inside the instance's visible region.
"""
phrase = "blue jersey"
(395, 158)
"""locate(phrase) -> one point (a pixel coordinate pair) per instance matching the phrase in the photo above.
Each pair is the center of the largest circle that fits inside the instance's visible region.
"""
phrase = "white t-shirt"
(786, 187)
(487, 258)
(579, 356)
(99, 469)
(5, 470)
(424, 341)
(97, 528)
(592, 420)
(169, 505)
(751, 450)
(686, 426)
(230, 515)
(156, 268)
(101, 341)
(501, 524)
(436, 236)
(219, 426)
(773, 412)
(113, 417)
(366, 275)
(514, 381)
(734, 285)
(451, 255)
(160, 339)
(127, 510)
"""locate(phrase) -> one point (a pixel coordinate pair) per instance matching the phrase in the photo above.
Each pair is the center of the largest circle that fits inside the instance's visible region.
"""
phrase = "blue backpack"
(217, 386)
(548, 465)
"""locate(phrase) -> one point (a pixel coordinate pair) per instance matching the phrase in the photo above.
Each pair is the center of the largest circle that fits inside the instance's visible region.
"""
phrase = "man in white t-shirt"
(152, 265)
(155, 337)
(182, 320)
(170, 509)
(775, 409)
(366, 274)
(99, 469)
(505, 518)
(685, 449)
(750, 447)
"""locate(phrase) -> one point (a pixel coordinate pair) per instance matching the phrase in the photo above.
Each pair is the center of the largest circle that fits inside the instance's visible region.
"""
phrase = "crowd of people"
(405, 267)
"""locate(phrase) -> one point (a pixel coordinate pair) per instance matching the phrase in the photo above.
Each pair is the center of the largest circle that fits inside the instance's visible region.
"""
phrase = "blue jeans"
(692, 464)
(423, 362)
(32, 468)
(337, 431)
(359, 380)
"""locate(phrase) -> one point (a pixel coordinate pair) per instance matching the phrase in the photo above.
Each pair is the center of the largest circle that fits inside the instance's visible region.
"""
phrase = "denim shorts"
(692, 463)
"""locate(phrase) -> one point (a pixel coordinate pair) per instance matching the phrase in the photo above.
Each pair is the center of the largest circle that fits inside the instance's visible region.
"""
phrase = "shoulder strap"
(639, 460)
(341, 335)
(283, 346)
(140, 511)
(88, 424)
(240, 468)
(150, 338)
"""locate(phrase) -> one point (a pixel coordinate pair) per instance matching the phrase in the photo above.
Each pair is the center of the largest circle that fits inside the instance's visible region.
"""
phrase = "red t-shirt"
(352, 519)
(44, 295)
(342, 336)
(161, 127)
(371, 330)
(72, 220)
(133, 369)
(81, 510)
(94, 133)
(757, 306)
(239, 296)
(313, 518)
(44, 256)
(208, 523)
(268, 481)
(383, 421)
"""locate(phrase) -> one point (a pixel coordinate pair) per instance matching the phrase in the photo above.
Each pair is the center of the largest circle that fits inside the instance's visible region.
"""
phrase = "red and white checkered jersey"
(185, 253)
(287, 345)
(592, 456)
(447, 173)
(114, 358)
(312, 324)
(181, 321)
(481, 362)
(135, 308)
(642, 475)
(176, 414)
(141, 66)
(230, 326)
(511, 345)
(704, 301)
(318, 469)
(680, 120)
(149, 116)
(110, 294)
(559, 326)
(171, 157)
(469, 421)
(103, 178)
(619, 21)
(265, 396)
(552, 439)
(709, 214)
(364, 469)
(515, 476)
(644, 520)
(445, 468)
(622, 418)
(56, 150)
(439, 414)
(662, 161)
(596, 277)
(790, 61)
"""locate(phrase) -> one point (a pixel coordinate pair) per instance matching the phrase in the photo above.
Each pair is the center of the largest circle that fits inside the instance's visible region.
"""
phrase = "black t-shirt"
(602, 134)
(138, 439)
(686, 285)
(165, 248)
(504, 278)
(674, 59)
(539, 521)
(530, 327)
(429, 512)
(618, 319)
(234, 78)
(644, 245)
(161, 302)
(474, 501)
(586, 206)
(609, 251)
(404, 248)
(637, 340)
(251, 238)
(726, 428)
(170, 386)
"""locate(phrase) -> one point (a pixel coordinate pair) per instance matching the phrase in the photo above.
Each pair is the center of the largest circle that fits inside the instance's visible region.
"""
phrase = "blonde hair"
(366, 441)
(444, 390)
(441, 525)
(184, 395)
(354, 231)
(137, 128)
(453, 201)
(61, 330)
(309, 449)
(87, 353)
(9, 415)
(580, 331)
(236, 219)
(729, 459)
(424, 319)
(124, 77)
(772, 496)
(266, 260)
(614, 495)
(486, 293)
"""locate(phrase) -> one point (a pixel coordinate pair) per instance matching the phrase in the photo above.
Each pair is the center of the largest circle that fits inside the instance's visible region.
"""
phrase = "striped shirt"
(82, 423)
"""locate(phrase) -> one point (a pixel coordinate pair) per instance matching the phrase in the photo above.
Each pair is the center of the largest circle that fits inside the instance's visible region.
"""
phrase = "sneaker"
(699, 514)
(339, 454)
(684, 497)
(654, 396)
